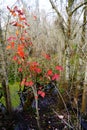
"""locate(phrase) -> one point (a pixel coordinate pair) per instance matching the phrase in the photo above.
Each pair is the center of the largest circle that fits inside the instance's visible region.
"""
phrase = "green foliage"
(14, 88)
(14, 94)
(13, 75)
(61, 90)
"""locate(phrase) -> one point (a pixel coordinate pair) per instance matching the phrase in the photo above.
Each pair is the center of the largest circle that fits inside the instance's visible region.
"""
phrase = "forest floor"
(54, 115)
(50, 118)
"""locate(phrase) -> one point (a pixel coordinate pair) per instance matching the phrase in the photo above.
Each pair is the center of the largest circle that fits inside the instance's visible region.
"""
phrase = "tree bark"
(84, 95)
(5, 85)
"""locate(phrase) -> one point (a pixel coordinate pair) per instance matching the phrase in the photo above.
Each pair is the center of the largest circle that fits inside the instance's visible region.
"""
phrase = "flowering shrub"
(40, 70)
(36, 73)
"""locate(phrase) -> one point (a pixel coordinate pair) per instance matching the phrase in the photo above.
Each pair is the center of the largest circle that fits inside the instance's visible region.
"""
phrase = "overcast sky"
(44, 4)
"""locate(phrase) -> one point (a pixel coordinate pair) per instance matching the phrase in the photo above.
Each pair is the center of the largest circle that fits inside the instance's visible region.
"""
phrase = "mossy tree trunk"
(5, 85)
(84, 95)
(84, 33)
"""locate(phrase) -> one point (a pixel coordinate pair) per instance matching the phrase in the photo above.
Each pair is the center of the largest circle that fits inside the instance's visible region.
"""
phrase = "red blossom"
(20, 69)
(49, 73)
(59, 68)
(12, 44)
(11, 38)
(20, 51)
(15, 58)
(38, 70)
(21, 54)
(22, 18)
(34, 67)
(22, 38)
(26, 83)
(29, 83)
(15, 8)
(20, 12)
(47, 56)
(8, 47)
(19, 62)
(23, 82)
(14, 23)
(55, 76)
(11, 11)
(26, 23)
(41, 93)
(34, 63)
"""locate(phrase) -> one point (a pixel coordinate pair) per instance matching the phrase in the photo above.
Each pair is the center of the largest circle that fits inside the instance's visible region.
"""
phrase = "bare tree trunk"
(5, 81)
(84, 97)
(77, 85)
(68, 65)
(7, 95)
(4, 71)
(84, 26)
(68, 37)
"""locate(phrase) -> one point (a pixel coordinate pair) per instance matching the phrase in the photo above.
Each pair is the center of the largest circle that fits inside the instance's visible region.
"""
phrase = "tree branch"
(78, 7)
(58, 13)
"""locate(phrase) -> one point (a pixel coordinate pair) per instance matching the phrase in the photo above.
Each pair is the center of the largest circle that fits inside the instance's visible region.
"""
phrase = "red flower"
(21, 54)
(41, 93)
(47, 56)
(20, 69)
(29, 84)
(8, 47)
(55, 76)
(11, 38)
(23, 82)
(26, 83)
(22, 18)
(22, 38)
(20, 12)
(21, 51)
(27, 24)
(14, 23)
(38, 70)
(15, 58)
(15, 8)
(49, 73)
(34, 67)
(59, 68)
(19, 62)
(12, 44)
(34, 64)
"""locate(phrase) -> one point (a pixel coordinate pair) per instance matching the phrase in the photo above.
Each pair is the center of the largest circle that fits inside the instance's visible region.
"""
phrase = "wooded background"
(62, 35)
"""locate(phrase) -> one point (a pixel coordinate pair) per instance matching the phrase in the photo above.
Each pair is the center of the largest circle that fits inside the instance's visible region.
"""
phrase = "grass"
(15, 100)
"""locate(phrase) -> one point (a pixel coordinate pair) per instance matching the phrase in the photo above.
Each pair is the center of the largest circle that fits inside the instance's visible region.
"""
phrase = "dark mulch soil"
(21, 119)
(26, 121)
(24, 118)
